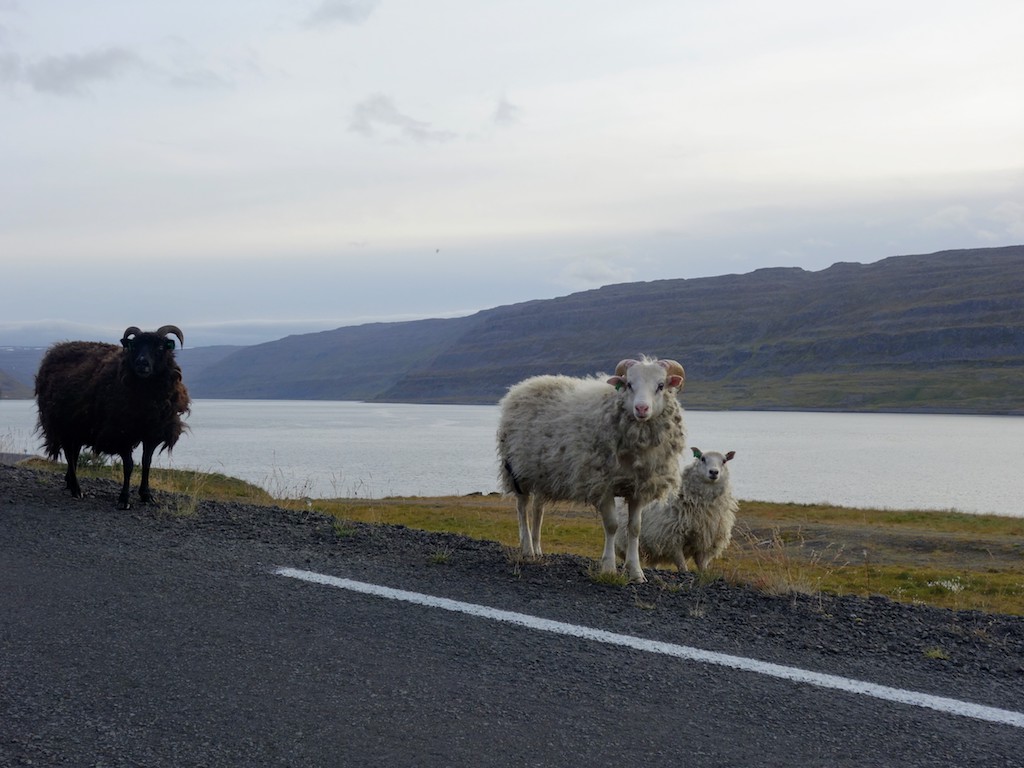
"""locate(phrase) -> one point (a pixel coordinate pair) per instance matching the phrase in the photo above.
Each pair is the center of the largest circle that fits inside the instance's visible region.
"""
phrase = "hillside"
(18, 366)
(937, 332)
(11, 388)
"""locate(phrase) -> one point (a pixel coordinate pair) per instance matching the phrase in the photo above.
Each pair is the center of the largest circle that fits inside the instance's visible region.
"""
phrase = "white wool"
(697, 523)
(589, 440)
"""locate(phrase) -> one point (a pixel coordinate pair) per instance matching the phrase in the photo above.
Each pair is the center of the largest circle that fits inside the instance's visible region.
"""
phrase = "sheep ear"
(696, 452)
(618, 382)
(730, 455)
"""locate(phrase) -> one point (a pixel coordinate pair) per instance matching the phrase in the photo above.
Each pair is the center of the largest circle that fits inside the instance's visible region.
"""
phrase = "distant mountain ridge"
(942, 332)
(936, 332)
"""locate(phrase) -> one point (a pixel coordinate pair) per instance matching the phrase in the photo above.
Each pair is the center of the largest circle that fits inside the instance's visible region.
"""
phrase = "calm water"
(348, 449)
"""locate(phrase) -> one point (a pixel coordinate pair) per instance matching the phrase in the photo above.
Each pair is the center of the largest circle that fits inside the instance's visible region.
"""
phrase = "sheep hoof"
(637, 578)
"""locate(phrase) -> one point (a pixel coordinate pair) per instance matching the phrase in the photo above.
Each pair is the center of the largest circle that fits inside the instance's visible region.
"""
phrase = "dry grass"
(947, 559)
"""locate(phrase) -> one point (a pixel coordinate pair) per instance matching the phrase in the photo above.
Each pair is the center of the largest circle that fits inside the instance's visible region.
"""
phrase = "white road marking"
(848, 685)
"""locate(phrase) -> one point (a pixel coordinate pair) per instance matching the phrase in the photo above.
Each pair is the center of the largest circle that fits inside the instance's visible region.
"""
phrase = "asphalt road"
(141, 638)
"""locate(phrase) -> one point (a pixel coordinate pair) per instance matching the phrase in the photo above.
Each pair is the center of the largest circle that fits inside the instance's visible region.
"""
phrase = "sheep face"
(711, 466)
(147, 353)
(645, 384)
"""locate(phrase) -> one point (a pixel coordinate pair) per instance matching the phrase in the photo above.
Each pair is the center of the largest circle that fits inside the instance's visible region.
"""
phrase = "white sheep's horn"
(673, 368)
(165, 329)
(620, 369)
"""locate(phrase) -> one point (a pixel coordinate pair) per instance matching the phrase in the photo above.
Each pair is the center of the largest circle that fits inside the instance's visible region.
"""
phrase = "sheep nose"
(713, 474)
(642, 411)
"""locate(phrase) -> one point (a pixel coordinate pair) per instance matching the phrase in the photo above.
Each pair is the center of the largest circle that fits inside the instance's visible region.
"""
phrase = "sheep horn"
(131, 330)
(620, 369)
(673, 368)
(165, 329)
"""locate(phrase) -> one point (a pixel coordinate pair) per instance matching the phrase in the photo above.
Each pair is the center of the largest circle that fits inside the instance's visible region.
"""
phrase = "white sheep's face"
(712, 465)
(646, 385)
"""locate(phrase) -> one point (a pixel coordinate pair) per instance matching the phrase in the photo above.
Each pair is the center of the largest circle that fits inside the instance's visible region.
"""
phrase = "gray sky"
(248, 169)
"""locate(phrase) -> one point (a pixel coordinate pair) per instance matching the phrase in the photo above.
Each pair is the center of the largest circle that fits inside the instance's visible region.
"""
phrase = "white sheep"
(697, 522)
(578, 439)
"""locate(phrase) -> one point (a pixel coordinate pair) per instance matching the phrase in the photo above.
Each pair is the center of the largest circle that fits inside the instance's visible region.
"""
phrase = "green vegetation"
(892, 389)
(946, 559)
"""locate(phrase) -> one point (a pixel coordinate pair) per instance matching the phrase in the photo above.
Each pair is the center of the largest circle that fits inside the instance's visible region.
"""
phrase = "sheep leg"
(680, 561)
(71, 453)
(525, 539)
(147, 458)
(538, 521)
(128, 464)
(611, 525)
(633, 569)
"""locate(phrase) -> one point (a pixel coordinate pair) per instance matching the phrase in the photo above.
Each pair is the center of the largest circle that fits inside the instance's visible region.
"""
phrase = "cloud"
(950, 217)
(1010, 215)
(202, 79)
(70, 75)
(1006, 216)
(341, 11)
(506, 113)
(593, 272)
(378, 111)
(10, 69)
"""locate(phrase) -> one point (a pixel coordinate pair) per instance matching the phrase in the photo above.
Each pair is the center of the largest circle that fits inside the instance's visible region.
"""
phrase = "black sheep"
(110, 399)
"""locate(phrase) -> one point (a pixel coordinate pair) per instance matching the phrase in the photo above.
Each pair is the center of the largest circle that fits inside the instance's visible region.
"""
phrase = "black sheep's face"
(146, 353)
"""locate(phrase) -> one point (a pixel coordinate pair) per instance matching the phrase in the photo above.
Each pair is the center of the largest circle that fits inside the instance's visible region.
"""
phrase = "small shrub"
(617, 579)
(88, 459)
(342, 529)
(441, 556)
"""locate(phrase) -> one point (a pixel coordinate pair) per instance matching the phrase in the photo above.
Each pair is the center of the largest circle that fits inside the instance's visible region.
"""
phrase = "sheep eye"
(661, 386)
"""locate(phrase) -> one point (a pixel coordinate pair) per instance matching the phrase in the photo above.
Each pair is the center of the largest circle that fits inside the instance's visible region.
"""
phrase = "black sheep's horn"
(130, 331)
(165, 329)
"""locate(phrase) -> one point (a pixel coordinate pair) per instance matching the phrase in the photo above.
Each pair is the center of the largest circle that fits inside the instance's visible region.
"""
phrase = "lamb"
(696, 523)
(110, 399)
(589, 440)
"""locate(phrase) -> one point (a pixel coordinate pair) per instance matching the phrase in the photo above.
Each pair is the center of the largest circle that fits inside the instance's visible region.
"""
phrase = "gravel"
(963, 654)
(670, 605)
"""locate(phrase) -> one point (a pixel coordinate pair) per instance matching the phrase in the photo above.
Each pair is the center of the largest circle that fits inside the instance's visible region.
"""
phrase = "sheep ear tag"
(169, 344)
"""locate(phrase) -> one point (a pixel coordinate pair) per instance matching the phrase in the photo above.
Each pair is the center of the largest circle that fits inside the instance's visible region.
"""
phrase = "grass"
(947, 559)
